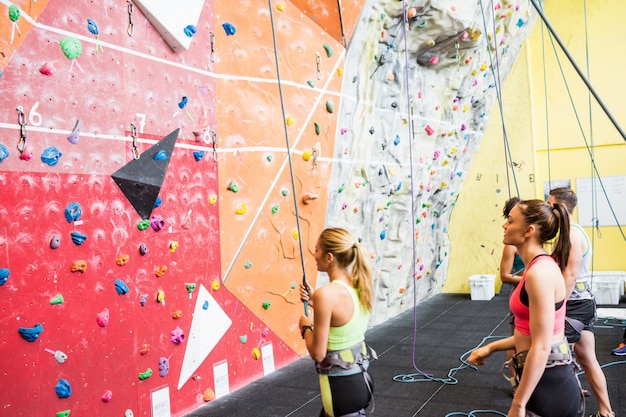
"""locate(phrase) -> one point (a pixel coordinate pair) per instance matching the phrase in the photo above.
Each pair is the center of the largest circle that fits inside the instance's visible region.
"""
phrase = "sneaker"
(620, 350)
(611, 414)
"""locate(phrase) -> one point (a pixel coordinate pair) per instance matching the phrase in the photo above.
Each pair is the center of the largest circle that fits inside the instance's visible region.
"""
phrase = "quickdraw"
(21, 145)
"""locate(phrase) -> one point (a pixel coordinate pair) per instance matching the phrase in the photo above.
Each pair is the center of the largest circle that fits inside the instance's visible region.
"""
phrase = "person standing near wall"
(548, 385)
(511, 270)
(581, 305)
(336, 338)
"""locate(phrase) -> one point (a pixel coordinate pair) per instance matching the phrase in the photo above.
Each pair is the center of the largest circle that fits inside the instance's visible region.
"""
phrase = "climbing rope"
(293, 184)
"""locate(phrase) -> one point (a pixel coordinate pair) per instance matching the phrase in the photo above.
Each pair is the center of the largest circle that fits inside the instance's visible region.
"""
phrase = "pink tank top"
(518, 304)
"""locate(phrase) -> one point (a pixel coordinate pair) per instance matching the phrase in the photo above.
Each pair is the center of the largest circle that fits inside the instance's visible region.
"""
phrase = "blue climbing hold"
(198, 155)
(73, 212)
(383, 235)
(30, 334)
(190, 30)
(4, 275)
(78, 238)
(121, 287)
(158, 202)
(92, 26)
(50, 156)
(4, 152)
(63, 388)
(183, 102)
(205, 305)
(160, 156)
(229, 29)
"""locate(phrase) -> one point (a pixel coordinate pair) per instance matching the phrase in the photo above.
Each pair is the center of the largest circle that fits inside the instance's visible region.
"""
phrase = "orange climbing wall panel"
(325, 14)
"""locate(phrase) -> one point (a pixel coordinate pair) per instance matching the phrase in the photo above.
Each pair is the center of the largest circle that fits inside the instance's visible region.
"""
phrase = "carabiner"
(318, 61)
(21, 144)
(133, 134)
(131, 26)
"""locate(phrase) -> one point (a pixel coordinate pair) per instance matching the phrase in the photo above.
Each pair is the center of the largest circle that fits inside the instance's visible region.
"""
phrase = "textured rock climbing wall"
(282, 131)
(422, 83)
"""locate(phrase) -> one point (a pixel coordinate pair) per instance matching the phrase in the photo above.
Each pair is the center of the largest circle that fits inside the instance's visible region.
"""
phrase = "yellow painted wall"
(544, 136)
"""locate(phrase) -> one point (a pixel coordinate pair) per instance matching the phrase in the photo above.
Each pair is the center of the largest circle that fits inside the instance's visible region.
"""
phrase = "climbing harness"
(21, 144)
(131, 26)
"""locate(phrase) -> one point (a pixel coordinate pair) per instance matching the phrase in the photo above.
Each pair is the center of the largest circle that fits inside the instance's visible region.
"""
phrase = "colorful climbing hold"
(145, 375)
(329, 107)
(248, 265)
(50, 156)
(14, 13)
(79, 266)
(212, 199)
(122, 260)
(4, 152)
(30, 334)
(329, 50)
(143, 300)
(274, 209)
(284, 192)
(318, 128)
(243, 339)
(4, 275)
(160, 270)
(46, 69)
(102, 318)
(78, 238)
(164, 366)
(57, 300)
(289, 120)
(232, 186)
(178, 336)
(306, 155)
(266, 305)
(190, 287)
(157, 223)
(120, 287)
(215, 285)
(190, 30)
(242, 208)
(198, 155)
(229, 29)
(145, 348)
(173, 246)
(208, 395)
(73, 212)
(64, 413)
(63, 388)
(107, 396)
(311, 83)
(160, 156)
(73, 137)
(143, 224)
(256, 353)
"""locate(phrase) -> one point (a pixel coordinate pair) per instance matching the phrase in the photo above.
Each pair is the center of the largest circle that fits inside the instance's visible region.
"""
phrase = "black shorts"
(583, 314)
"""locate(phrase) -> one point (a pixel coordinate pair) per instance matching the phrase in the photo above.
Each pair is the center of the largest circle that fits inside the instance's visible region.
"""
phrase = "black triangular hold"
(141, 179)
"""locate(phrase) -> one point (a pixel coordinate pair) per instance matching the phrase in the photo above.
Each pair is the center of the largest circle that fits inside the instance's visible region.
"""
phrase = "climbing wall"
(162, 191)
(118, 301)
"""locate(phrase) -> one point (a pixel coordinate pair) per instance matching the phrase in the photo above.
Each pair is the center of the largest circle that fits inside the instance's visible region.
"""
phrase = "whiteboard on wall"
(608, 194)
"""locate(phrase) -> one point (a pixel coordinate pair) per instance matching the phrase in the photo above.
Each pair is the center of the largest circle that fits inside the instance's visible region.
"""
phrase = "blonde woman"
(335, 338)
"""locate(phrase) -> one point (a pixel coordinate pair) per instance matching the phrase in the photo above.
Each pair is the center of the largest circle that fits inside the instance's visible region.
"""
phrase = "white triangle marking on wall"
(171, 18)
(207, 328)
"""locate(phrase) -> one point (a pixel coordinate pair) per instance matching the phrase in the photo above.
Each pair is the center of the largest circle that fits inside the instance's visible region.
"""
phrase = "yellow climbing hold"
(290, 120)
(295, 234)
(280, 7)
(340, 71)
(215, 285)
(306, 155)
(212, 199)
(256, 354)
(430, 42)
(241, 209)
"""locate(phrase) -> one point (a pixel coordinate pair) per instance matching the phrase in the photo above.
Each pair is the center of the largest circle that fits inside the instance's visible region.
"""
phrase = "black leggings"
(348, 394)
(558, 393)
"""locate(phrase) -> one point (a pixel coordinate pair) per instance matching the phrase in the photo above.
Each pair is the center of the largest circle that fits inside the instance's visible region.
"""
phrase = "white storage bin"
(608, 286)
(482, 287)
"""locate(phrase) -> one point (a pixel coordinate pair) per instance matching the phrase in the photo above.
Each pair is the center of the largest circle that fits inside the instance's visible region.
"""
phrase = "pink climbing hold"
(429, 130)
(102, 318)
(27, 153)
(434, 60)
(106, 397)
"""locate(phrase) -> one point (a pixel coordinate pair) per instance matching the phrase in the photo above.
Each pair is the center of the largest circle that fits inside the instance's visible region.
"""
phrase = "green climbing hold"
(145, 375)
(233, 187)
(329, 50)
(64, 413)
(274, 209)
(329, 107)
(57, 300)
(248, 265)
(311, 83)
(266, 305)
(190, 287)
(343, 186)
(243, 339)
(14, 13)
(143, 224)
(318, 128)
(284, 192)
(72, 48)
(269, 158)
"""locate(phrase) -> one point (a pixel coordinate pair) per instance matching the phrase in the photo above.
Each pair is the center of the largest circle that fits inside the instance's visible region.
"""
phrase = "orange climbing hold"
(209, 395)
(122, 260)
(79, 266)
(160, 270)
(177, 314)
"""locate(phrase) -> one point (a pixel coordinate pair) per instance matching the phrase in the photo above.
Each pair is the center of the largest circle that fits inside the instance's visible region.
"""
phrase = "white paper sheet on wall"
(207, 328)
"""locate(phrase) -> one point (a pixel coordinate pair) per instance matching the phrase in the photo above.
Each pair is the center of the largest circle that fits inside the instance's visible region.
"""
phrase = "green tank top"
(353, 331)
